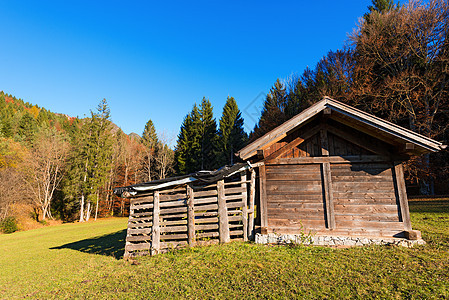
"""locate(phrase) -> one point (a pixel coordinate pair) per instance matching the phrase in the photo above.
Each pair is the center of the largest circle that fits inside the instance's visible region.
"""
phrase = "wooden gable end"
(326, 177)
(326, 137)
(405, 142)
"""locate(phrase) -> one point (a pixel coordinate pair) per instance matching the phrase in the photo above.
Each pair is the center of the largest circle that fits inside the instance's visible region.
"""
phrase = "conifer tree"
(150, 142)
(188, 144)
(208, 137)
(91, 160)
(27, 128)
(231, 135)
(379, 6)
(274, 110)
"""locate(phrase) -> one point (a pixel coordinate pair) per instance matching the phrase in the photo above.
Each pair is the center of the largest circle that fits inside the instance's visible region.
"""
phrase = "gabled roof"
(360, 120)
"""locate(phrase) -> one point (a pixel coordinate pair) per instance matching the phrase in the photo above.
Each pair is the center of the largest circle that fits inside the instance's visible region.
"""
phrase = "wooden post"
(263, 200)
(328, 195)
(190, 216)
(402, 194)
(252, 196)
(245, 206)
(223, 224)
(324, 142)
(156, 230)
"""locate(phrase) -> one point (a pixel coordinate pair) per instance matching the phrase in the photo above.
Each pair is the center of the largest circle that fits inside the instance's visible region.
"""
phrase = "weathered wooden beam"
(190, 216)
(358, 141)
(245, 206)
(279, 132)
(156, 232)
(252, 197)
(329, 159)
(324, 142)
(222, 214)
(263, 197)
(260, 154)
(296, 142)
(402, 194)
(257, 164)
(328, 195)
(409, 146)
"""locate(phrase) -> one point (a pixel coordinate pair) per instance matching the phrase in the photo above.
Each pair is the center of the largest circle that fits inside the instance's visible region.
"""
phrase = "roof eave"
(428, 144)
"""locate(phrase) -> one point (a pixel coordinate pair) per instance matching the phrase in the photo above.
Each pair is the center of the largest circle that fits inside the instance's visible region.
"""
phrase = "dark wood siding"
(365, 198)
(294, 197)
(315, 181)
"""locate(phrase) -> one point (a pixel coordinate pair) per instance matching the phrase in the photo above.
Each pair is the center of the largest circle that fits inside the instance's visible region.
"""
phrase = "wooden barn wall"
(191, 215)
(295, 197)
(365, 199)
(353, 188)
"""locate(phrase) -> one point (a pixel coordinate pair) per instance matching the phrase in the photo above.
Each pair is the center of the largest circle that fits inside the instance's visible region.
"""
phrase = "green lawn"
(84, 261)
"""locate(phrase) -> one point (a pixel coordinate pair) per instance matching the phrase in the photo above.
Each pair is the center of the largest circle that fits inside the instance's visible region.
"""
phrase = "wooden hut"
(331, 171)
(334, 170)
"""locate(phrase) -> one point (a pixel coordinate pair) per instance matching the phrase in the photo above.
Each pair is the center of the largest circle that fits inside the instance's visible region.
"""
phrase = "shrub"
(9, 225)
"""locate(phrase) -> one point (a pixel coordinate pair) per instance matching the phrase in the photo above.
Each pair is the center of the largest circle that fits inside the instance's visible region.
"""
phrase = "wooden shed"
(335, 170)
(332, 171)
(201, 208)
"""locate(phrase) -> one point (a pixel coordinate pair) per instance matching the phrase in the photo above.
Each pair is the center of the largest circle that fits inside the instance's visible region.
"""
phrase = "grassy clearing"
(80, 261)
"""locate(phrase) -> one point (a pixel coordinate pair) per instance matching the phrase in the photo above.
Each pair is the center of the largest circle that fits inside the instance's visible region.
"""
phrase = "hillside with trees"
(53, 166)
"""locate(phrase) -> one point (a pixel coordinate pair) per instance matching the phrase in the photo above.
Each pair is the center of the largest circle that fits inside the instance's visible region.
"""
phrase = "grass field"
(84, 261)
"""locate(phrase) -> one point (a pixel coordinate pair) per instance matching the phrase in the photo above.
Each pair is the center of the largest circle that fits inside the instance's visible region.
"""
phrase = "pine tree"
(27, 128)
(379, 6)
(188, 144)
(208, 136)
(91, 160)
(274, 110)
(150, 142)
(42, 118)
(231, 135)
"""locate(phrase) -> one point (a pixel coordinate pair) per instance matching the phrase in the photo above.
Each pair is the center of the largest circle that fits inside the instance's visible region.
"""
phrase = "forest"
(394, 65)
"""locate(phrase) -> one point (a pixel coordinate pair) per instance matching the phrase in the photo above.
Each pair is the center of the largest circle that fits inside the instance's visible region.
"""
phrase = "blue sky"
(154, 60)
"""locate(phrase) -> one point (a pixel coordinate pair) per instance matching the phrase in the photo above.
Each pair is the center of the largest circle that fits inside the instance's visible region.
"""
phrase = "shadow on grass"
(429, 206)
(110, 244)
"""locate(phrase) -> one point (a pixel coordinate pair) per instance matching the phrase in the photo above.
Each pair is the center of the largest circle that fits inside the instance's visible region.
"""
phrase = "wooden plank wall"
(294, 197)
(365, 201)
(191, 215)
(332, 180)
(359, 199)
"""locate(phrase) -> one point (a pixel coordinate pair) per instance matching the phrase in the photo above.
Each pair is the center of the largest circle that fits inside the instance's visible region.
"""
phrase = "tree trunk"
(44, 212)
(149, 167)
(82, 208)
(96, 208)
(88, 209)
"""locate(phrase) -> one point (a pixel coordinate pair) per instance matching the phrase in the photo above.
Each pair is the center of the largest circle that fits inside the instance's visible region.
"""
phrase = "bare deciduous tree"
(49, 155)
(165, 157)
(402, 69)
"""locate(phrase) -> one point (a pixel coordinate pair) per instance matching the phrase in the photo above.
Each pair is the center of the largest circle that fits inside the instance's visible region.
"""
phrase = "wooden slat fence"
(192, 214)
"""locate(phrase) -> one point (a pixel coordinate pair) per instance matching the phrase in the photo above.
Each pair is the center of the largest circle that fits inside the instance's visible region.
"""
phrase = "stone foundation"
(274, 238)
